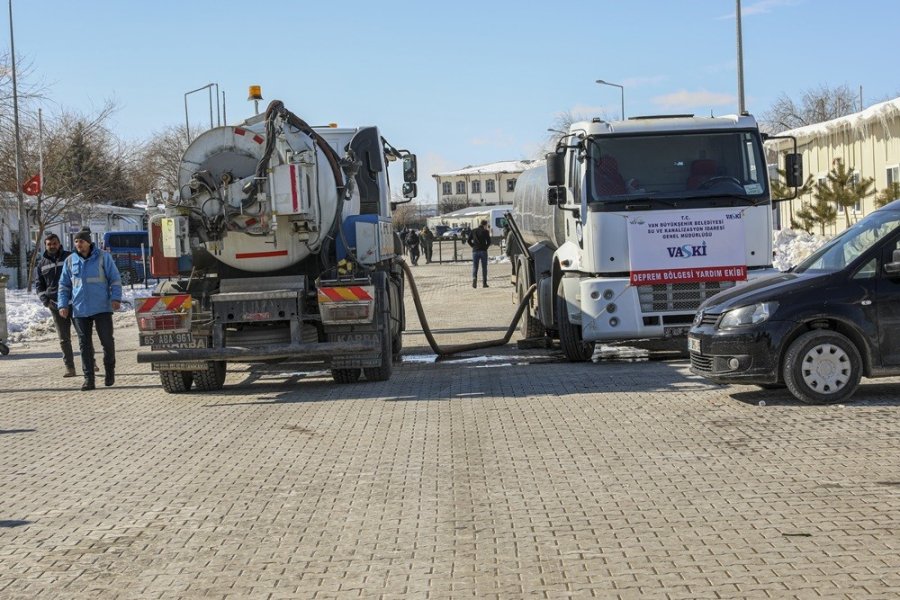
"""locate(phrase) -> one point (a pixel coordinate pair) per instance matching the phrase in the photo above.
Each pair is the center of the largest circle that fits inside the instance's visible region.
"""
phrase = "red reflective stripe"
(294, 186)
(149, 303)
(261, 254)
(176, 301)
(331, 293)
(360, 293)
(258, 139)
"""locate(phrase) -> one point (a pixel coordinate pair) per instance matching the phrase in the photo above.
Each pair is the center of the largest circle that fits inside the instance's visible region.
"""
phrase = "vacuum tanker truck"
(629, 225)
(279, 245)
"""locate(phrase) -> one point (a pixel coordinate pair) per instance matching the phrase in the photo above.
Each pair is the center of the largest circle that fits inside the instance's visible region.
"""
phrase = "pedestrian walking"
(46, 284)
(427, 237)
(90, 288)
(480, 241)
(412, 242)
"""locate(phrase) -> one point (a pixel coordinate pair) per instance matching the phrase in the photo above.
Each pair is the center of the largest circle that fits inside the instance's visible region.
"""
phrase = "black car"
(816, 328)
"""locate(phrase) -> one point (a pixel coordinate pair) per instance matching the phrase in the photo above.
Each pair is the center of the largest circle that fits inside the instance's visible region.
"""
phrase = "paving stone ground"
(506, 473)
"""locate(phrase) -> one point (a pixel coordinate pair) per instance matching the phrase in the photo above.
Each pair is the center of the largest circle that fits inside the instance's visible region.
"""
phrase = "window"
(854, 181)
(893, 175)
(476, 187)
(489, 186)
(446, 188)
(511, 185)
(460, 187)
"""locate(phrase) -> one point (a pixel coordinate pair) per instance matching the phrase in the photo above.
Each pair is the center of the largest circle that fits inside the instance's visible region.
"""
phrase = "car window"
(868, 270)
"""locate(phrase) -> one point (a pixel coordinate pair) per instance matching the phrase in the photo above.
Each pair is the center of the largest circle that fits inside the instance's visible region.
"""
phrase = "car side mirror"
(409, 190)
(893, 267)
(556, 196)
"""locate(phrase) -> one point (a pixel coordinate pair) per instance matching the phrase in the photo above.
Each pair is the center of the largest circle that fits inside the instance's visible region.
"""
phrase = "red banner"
(691, 275)
(32, 187)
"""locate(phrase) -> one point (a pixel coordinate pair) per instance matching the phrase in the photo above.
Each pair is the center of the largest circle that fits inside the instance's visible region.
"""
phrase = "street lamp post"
(742, 108)
(23, 223)
(621, 89)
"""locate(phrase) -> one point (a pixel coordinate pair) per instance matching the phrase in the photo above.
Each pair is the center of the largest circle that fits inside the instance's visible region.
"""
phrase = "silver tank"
(537, 220)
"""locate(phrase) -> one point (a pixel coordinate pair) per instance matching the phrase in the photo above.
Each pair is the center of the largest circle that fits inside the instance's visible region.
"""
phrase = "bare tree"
(816, 105)
(450, 203)
(158, 160)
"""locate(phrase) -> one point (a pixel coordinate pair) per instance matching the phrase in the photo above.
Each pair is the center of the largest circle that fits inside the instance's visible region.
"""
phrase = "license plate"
(194, 365)
(184, 339)
(694, 345)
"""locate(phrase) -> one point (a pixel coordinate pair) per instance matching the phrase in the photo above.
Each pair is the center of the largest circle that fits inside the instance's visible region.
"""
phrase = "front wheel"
(570, 340)
(822, 367)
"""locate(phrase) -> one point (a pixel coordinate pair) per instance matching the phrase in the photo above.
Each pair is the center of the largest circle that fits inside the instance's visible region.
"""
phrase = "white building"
(866, 142)
(493, 183)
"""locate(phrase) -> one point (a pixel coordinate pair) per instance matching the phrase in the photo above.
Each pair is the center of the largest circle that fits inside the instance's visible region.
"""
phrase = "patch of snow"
(792, 246)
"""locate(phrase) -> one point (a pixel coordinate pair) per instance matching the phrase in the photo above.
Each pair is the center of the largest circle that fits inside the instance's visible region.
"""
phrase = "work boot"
(96, 368)
(110, 378)
(485, 284)
(70, 372)
(88, 384)
(474, 283)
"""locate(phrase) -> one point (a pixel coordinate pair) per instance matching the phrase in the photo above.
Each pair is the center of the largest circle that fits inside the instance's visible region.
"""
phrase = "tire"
(575, 349)
(212, 379)
(383, 371)
(176, 382)
(529, 325)
(346, 375)
(128, 277)
(822, 367)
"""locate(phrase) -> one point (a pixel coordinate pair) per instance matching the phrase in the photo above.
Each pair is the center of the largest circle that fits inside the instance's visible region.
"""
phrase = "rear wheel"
(383, 371)
(822, 367)
(212, 378)
(346, 375)
(573, 346)
(127, 276)
(529, 325)
(176, 382)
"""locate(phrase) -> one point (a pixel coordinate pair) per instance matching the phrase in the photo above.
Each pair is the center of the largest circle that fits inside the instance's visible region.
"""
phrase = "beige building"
(867, 142)
(489, 184)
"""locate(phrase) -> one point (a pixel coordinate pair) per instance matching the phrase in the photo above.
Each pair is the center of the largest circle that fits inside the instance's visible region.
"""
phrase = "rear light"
(164, 322)
(346, 304)
(164, 313)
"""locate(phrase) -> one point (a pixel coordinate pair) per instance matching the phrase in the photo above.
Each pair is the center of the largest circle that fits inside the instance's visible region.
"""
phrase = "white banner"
(682, 246)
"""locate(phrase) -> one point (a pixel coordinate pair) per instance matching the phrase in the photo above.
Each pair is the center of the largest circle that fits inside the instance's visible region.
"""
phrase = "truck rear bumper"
(316, 351)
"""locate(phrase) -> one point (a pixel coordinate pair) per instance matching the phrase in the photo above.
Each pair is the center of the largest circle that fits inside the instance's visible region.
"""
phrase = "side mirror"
(556, 196)
(793, 168)
(893, 267)
(410, 171)
(556, 169)
(409, 190)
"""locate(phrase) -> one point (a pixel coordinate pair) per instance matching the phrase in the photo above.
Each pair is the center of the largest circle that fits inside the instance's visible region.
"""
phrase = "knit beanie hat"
(84, 235)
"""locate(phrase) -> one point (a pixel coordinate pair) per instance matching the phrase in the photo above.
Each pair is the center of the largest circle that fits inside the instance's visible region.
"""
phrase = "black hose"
(441, 352)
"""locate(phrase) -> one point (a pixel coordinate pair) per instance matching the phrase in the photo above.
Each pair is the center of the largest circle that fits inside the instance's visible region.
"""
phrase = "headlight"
(747, 315)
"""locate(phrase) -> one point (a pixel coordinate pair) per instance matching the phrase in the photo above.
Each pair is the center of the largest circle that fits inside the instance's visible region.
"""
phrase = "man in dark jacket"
(480, 240)
(46, 284)
(412, 242)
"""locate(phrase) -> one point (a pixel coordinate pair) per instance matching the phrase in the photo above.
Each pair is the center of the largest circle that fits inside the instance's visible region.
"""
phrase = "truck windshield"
(676, 165)
(852, 242)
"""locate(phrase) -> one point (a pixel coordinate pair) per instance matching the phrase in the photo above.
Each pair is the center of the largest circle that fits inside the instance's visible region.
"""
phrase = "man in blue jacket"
(91, 288)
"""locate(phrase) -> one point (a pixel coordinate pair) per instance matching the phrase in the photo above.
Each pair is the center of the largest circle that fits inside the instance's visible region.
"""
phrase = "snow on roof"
(477, 210)
(506, 166)
(881, 112)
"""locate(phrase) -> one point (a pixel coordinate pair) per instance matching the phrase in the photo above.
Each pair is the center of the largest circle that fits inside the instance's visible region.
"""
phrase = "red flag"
(32, 187)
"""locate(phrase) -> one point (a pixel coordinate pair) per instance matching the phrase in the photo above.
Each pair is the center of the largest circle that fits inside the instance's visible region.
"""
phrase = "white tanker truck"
(279, 245)
(630, 225)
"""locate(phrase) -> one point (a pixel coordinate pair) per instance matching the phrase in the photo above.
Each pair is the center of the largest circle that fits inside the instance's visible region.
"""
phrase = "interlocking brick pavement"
(501, 474)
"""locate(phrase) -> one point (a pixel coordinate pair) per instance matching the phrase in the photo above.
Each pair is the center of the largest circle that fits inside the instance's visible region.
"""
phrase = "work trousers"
(85, 328)
(479, 256)
(64, 332)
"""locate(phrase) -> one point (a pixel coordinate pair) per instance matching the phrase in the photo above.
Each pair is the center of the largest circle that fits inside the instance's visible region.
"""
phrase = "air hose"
(449, 350)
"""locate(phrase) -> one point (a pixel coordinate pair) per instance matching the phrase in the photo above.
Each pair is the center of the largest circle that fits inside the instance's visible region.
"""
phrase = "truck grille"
(678, 297)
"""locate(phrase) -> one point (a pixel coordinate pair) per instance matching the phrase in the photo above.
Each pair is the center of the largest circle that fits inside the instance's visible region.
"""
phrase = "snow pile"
(792, 246)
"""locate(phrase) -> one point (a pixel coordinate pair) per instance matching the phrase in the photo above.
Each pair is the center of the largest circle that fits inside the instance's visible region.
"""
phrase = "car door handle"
(866, 302)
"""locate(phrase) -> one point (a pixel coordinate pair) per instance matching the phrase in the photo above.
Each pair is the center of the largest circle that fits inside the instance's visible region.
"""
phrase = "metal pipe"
(742, 107)
(23, 217)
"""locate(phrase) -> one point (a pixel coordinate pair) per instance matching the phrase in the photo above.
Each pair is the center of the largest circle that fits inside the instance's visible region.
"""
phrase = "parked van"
(815, 329)
(125, 248)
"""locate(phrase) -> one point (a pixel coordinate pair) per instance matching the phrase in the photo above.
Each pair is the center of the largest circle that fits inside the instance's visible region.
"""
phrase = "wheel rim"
(826, 368)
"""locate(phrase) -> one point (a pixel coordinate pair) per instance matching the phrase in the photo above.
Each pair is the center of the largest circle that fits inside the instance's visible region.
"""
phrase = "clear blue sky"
(458, 83)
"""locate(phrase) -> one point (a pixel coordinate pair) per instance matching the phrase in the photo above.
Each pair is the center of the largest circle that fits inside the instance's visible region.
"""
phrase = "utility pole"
(23, 218)
(742, 107)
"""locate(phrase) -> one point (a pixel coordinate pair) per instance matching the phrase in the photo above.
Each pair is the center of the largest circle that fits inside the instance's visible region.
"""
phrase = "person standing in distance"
(91, 288)
(46, 284)
(480, 240)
